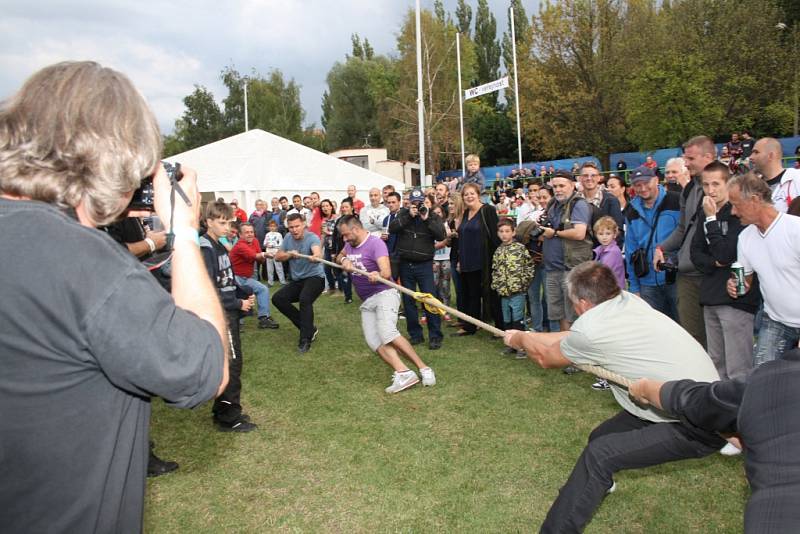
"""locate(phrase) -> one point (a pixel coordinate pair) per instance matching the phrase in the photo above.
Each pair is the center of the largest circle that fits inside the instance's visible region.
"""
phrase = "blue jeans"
(513, 308)
(774, 339)
(260, 291)
(329, 276)
(345, 284)
(413, 274)
(535, 299)
(662, 298)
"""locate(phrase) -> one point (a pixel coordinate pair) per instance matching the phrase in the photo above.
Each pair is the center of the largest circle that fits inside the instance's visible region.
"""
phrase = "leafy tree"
(438, 9)
(463, 18)
(487, 48)
(202, 122)
(522, 32)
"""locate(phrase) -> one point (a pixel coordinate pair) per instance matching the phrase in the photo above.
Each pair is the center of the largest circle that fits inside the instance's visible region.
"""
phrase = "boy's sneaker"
(730, 450)
(402, 380)
(612, 489)
(428, 378)
(601, 385)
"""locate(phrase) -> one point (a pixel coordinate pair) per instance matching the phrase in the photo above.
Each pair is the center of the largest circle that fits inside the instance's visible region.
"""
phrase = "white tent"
(257, 164)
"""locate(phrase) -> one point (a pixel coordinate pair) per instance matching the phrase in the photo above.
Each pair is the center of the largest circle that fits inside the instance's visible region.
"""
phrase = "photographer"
(87, 344)
(417, 230)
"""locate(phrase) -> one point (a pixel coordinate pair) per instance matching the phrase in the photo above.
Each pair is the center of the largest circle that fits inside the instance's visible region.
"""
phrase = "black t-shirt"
(87, 337)
(747, 147)
(775, 182)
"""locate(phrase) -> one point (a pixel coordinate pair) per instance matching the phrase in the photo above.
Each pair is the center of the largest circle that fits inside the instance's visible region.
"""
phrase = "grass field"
(485, 450)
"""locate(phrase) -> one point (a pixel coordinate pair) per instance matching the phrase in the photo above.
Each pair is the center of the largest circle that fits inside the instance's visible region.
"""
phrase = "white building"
(377, 160)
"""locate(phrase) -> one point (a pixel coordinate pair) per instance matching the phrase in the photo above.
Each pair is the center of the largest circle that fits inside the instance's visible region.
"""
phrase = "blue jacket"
(639, 221)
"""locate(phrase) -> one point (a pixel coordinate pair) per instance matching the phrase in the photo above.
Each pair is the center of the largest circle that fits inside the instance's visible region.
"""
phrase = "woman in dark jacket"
(729, 322)
(477, 241)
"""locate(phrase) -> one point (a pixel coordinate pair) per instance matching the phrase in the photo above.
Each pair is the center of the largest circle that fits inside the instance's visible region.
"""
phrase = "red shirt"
(240, 214)
(242, 257)
(357, 205)
(315, 224)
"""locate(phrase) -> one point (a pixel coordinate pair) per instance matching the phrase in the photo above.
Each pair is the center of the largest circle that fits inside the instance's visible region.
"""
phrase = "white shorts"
(379, 318)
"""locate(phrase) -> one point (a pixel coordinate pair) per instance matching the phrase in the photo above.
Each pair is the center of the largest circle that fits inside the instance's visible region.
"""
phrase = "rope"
(433, 305)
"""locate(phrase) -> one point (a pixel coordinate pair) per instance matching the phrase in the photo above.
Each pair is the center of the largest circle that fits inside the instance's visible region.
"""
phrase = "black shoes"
(435, 344)
(304, 346)
(267, 322)
(240, 425)
(462, 333)
(157, 467)
(416, 341)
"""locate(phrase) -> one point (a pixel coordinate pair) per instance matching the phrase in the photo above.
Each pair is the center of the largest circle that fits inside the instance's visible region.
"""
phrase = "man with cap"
(238, 212)
(567, 243)
(651, 216)
(417, 230)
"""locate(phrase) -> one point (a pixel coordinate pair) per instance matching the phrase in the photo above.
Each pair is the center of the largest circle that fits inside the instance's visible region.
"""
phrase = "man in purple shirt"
(380, 304)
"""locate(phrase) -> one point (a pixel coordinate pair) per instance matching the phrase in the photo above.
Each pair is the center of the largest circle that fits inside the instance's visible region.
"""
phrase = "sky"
(168, 47)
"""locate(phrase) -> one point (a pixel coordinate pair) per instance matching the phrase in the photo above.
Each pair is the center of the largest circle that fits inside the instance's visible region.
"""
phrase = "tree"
(487, 48)
(522, 31)
(463, 18)
(202, 122)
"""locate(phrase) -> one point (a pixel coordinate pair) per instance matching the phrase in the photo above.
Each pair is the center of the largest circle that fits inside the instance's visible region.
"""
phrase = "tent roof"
(258, 160)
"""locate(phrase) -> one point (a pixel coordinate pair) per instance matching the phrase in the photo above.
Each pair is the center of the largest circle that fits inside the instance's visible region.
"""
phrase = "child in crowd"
(608, 253)
(441, 264)
(512, 269)
(272, 242)
(473, 174)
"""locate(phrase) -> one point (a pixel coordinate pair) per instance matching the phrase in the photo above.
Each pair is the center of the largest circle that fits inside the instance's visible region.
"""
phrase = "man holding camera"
(86, 345)
(417, 230)
(651, 216)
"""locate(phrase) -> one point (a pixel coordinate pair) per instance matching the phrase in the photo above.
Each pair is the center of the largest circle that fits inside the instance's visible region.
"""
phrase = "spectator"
(259, 219)
(453, 222)
(676, 175)
(607, 252)
(308, 280)
(272, 242)
(343, 280)
(356, 203)
(477, 241)
(530, 209)
(380, 304)
(733, 147)
(769, 248)
(567, 243)
(650, 163)
(503, 204)
(747, 145)
(373, 215)
(284, 204)
(278, 213)
(298, 207)
(227, 409)
(386, 191)
(474, 174)
(651, 216)
(637, 436)
(729, 322)
(441, 264)
(314, 221)
(417, 230)
(622, 167)
(725, 157)
(512, 269)
(616, 187)
(605, 203)
(244, 255)
(767, 159)
(328, 228)
(393, 204)
(697, 153)
(238, 212)
(536, 302)
(443, 198)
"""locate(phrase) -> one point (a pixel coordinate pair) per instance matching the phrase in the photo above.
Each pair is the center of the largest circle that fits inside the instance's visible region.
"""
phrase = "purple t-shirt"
(365, 257)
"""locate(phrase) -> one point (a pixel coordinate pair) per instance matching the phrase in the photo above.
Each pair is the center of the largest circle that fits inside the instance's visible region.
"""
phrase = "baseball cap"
(641, 174)
(416, 196)
(561, 173)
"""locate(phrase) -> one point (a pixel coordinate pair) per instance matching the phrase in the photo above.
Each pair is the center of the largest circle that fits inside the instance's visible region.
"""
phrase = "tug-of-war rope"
(434, 305)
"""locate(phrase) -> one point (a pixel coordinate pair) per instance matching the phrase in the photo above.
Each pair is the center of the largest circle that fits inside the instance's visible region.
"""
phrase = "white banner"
(490, 87)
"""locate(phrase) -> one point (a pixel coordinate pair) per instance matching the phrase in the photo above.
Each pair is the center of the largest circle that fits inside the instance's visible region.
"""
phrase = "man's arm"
(542, 348)
(576, 233)
(191, 286)
(142, 248)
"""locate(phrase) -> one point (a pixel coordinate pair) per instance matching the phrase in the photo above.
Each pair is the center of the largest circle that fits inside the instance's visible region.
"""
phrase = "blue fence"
(632, 159)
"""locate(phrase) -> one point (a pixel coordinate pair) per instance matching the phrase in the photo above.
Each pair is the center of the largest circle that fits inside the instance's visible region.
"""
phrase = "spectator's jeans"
(662, 298)
(774, 339)
(260, 291)
(304, 291)
(345, 284)
(535, 300)
(329, 276)
(513, 307)
(413, 274)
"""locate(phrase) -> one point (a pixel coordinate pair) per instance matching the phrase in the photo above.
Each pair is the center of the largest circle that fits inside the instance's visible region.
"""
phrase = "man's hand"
(159, 238)
(413, 210)
(507, 338)
(709, 206)
(184, 216)
(247, 305)
(347, 265)
(658, 257)
(646, 392)
(373, 276)
(731, 287)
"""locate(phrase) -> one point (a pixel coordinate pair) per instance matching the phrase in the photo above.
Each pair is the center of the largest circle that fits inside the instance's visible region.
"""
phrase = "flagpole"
(246, 122)
(516, 86)
(460, 104)
(420, 103)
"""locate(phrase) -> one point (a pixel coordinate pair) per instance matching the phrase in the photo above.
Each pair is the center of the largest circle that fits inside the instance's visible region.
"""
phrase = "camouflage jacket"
(512, 269)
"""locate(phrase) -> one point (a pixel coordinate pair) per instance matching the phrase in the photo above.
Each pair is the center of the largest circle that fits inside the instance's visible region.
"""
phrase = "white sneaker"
(428, 378)
(402, 380)
(612, 489)
(730, 450)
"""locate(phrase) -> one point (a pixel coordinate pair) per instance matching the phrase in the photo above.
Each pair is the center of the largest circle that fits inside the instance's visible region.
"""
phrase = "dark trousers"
(329, 275)
(305, 292)
(622, 442)
(227, 407)
(471, 293)
(413, 274)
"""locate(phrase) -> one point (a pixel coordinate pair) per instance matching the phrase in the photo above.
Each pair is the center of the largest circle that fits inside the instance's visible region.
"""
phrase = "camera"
(144, 197)
(667, 267)
(544, 221)
(422, 209)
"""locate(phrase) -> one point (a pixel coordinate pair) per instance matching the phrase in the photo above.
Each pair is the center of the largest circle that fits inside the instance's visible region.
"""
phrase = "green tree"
(487, 48)
(463, 18)
(202, 122)
(522, 32)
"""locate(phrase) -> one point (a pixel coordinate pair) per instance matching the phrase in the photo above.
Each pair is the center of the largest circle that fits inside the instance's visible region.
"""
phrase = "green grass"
(485, 450)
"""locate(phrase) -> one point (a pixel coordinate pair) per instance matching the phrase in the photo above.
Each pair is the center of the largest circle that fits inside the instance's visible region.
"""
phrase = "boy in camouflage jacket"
(512, 273)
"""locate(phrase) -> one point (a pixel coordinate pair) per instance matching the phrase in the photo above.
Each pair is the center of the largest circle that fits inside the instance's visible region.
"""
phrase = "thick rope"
(433, 305)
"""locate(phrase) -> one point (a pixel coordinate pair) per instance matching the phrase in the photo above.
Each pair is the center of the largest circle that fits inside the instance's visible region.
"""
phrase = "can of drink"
(738, 272)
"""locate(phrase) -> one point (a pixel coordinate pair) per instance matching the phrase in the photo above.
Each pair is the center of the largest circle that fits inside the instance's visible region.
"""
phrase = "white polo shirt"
(775, 257)
(787, 190)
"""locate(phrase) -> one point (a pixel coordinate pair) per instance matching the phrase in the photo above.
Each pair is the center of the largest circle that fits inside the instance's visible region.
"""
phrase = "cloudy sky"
(167, 47)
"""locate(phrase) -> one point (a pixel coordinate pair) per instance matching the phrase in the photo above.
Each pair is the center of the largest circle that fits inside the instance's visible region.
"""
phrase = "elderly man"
(698, 152)
(245, 254)
(676, 175)
(770, 248)
(638, 436)
(767, 160)
(84, 346)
